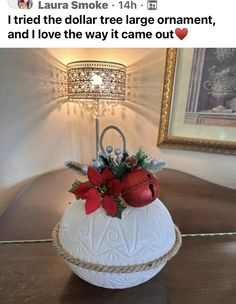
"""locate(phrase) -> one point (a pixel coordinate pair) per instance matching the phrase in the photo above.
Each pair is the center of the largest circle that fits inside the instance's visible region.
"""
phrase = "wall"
(39, 130)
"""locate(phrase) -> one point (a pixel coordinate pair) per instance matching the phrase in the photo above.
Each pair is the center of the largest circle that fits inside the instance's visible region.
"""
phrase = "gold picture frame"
(177, 141)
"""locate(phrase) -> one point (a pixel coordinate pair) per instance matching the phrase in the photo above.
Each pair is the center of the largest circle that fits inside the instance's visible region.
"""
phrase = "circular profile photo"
(25, 4)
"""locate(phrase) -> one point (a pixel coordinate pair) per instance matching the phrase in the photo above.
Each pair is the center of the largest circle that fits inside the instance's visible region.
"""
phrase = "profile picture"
(25, 4)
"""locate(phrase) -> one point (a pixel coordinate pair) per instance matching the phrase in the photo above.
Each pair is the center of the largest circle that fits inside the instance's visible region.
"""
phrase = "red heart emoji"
(181, 34)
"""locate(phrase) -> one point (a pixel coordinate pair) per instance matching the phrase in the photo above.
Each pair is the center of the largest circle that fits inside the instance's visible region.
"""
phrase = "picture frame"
(177, 133)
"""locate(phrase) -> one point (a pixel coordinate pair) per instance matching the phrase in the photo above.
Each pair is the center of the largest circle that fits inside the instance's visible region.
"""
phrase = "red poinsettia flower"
(99, 190)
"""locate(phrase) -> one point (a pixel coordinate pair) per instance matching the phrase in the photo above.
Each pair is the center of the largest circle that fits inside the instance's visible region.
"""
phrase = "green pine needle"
(119, 171)
(142, 158)
(76, 167)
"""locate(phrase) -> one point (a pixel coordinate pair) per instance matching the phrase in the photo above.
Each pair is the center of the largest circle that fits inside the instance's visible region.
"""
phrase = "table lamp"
(96, 86)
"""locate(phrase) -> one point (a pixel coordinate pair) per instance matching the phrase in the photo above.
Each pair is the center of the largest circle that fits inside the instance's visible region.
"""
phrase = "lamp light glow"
(96, 80)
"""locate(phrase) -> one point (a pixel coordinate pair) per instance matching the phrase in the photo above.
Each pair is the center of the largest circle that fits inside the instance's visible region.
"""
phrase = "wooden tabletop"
(203, 272)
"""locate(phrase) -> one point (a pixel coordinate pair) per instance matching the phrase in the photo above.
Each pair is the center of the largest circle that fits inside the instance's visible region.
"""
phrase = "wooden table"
(203, 272)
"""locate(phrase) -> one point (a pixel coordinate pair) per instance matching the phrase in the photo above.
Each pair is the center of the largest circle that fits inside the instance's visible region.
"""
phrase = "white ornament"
(142, 235)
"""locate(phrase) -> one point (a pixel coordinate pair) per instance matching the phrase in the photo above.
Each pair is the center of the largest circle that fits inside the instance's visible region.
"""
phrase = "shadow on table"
(79, 291)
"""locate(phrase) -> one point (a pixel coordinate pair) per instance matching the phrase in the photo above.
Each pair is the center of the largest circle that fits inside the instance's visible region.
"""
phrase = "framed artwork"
(198, 109)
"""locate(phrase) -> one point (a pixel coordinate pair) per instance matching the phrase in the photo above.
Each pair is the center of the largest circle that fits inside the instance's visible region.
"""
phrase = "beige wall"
(37, 133)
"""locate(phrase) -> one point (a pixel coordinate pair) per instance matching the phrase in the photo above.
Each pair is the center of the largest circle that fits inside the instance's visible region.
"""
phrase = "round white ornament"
(141, 236)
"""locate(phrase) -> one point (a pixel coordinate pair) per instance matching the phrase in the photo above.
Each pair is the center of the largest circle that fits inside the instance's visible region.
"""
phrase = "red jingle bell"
(140, 188)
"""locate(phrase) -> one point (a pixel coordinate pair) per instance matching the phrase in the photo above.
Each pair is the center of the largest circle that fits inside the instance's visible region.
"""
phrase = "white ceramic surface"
(142, 235)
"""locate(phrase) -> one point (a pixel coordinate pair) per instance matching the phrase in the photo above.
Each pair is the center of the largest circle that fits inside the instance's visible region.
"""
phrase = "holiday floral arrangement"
(116, 179)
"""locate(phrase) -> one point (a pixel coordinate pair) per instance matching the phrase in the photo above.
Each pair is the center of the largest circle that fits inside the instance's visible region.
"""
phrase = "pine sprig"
(142, 158)
(76, 167)
(119, 171)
